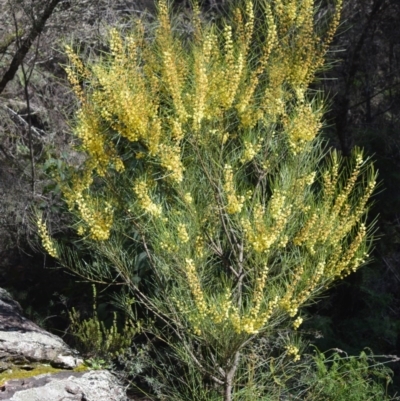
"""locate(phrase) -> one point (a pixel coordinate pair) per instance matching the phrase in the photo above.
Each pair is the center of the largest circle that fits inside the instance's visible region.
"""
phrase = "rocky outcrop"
(23, 342)
(97, 385)
(24, 346)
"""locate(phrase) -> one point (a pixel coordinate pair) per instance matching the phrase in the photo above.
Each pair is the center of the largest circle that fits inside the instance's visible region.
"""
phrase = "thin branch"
(26, 44)
(218, 199)
(390, 268)
(373, 95)
(150, 305)
(27, 77)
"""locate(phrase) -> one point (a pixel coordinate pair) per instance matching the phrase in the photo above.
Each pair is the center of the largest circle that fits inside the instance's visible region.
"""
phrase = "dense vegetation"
(200, 186)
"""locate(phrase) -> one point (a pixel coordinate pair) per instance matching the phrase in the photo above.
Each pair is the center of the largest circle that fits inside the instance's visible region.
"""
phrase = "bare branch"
(26, 44)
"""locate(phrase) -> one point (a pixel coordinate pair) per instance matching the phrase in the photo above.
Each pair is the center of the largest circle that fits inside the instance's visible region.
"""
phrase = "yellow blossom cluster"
(220, 311)
(248, 26)
(297, 323)
(252, 323)
(201, 85)
(47, 242)
(298, 188)
(176, 130)
(123, 101)
(310, 284)
(244, 104)
(225, 137)
(287, 302)
(293, 351)
(75, 72)
(145, 202)
(234, 202)
(197, 292)
(244, 29)
(79, 184)
(95, 215)
(182, 233)
(302, 126)
(223, 310)
(199, 246)
(102, 153)
(258, 295)
(167, 244)
(259, 234)
(250, 151)
(301, 287)
(187, 197)
(117, 46)
(233, 70)
(139, 77)
(330, 177)
(304, 50)
(173, 82)
(257, 317)
(98, 218)
(294, 61)
(170, 159)
(334, 219)
(349, 262)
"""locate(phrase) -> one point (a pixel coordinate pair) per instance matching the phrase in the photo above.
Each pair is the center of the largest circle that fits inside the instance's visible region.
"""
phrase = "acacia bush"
(204, 168)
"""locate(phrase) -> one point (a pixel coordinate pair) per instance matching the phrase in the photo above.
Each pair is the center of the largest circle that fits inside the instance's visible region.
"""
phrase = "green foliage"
(347, 378)
(97, 363)
(203, 165)
(94, 338)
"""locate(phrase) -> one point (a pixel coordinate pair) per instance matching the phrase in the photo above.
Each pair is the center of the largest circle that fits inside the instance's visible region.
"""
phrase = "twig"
(26, 44)
(27, 77)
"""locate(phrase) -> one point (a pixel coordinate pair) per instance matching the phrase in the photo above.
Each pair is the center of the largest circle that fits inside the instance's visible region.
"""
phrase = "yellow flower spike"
(177, 132)
(303, 126)
(182, 233)
(201, 88)
(47, 242)
(249, 25)
(195, 287)
(187, 197)
(234, 202)
(173, 83)
(116, 46)
(297, 323)
(170, 158)
(261, 236)
(293, 351)
(199, 246)
(141, 191)
(250, 151)
(99, 218)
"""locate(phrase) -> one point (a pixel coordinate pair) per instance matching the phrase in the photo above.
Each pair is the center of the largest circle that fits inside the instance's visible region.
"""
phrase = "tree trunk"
(229, 376)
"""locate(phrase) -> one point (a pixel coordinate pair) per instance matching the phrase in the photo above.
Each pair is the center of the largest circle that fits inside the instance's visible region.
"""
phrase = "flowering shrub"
(203, 156)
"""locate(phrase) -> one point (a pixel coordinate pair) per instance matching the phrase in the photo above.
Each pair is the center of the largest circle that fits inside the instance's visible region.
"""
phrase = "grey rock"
(22, 341)
(8, 303)
(99, 385)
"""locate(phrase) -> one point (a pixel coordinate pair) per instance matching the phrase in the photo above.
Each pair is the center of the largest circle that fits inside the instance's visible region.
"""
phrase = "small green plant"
(97, 363)
(347, 378)
(95, 338)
